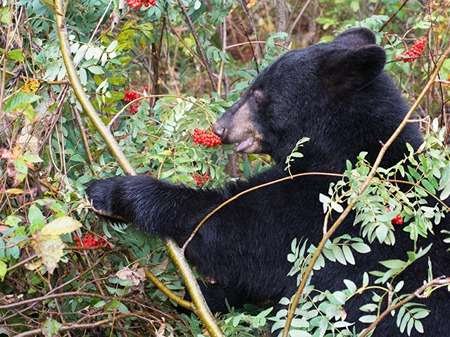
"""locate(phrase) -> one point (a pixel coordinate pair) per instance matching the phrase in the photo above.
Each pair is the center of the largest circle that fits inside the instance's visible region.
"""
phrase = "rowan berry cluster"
(137, 4)
(414, 52)
(206, 138)
(130, 96)
(201, 179)
(90, 240)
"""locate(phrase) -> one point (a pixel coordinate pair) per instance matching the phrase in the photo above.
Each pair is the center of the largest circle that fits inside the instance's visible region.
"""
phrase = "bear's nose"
(218, 129)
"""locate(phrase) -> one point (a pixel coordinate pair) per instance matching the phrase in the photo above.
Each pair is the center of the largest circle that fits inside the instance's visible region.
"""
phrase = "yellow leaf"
(14, 191)
(59, 226)
(31, 86)
(50, 249)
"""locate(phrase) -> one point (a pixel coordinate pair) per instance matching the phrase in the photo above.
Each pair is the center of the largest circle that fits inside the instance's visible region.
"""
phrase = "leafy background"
(153, 85)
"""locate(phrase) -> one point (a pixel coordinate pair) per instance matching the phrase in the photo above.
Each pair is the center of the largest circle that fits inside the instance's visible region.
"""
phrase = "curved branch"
(169, 293)
(201, 308)
(272, 182)
(296, 299)
(439, 282)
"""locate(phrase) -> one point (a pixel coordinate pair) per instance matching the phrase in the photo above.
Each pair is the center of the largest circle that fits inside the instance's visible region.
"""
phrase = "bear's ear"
(355, 37)
(345, 69)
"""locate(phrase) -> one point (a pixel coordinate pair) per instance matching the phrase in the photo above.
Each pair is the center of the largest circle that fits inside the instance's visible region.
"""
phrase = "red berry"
(130, 96)
(205, 138)
(137, 4)
(148, 3)
(414, 52)
(134, 4)
(90, 240)
(201, 179)
(397, 220)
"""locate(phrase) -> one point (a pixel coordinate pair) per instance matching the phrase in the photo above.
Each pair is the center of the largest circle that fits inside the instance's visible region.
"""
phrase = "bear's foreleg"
(154, 206)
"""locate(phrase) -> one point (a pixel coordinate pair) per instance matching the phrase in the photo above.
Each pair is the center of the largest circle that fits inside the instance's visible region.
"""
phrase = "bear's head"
(334, 93)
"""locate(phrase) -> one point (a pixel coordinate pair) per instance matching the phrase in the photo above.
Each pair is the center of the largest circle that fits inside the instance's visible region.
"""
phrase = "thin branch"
(58, 295)
(296, 299)
(393, 15)
(254, 188)
(201, 310)
(50, 296)
(68, 327)
(84, 137)
(440, 281)
(79, 91)
(200, 50)
(201, 307)
(256, 53)
(24, 261)
(169, 293)
(297, 19)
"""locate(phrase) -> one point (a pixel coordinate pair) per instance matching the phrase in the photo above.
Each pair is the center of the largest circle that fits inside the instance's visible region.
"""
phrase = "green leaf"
(393, 264)
(361, 247)
(399, 286)
(50, 328)
(5, 17)
(365, 282)
(3, 270)
(336, 207)
(20, 101)
(348, 254)
(368, 318)
(16, 55)
(337, 251)
(31, 158)
(299, 333)
(350, 285)
(381, 233)
(36, 218)
(369, 307)
(96, 70)
(419, 326)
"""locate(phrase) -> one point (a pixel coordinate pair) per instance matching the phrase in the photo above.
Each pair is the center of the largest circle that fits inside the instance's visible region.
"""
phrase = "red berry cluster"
(201, 179)
(206, 138)
(397, 220)
(129, 96)
(137, 4)
(90, 240)
(414, 52)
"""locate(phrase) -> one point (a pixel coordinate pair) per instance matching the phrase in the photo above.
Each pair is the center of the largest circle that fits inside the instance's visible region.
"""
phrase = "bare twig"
(297, 19)
(68, 327)
(200, 50)
(296, 299)
(24, 261)
(256, 53)
(393, 15)
(155, 59)
(83, 136)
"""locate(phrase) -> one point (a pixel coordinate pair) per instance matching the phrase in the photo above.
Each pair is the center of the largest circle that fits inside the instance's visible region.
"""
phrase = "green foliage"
(45, 164)
(422, 171)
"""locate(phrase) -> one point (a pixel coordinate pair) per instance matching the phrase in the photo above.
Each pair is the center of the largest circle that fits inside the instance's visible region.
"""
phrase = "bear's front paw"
(100, 195)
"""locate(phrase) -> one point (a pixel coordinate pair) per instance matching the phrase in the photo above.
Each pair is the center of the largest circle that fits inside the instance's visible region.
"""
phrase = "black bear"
(337, 95)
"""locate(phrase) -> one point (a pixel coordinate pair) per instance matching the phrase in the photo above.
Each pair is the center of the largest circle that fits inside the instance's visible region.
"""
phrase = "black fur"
(336, 94)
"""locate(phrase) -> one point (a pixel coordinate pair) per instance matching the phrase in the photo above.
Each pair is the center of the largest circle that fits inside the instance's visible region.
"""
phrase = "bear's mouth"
(248, 145)
(244, 145)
